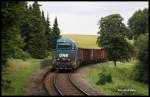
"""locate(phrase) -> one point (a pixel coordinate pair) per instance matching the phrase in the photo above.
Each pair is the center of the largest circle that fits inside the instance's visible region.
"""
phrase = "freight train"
(68, 56)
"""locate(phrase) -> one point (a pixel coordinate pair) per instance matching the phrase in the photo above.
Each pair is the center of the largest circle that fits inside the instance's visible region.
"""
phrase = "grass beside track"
(18, 72)
(121, 79)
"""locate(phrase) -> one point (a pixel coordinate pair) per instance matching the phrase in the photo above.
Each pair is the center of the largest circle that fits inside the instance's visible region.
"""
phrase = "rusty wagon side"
(92, 55)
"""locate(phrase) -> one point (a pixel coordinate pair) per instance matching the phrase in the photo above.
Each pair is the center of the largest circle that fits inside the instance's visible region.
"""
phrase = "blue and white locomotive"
(66, 56)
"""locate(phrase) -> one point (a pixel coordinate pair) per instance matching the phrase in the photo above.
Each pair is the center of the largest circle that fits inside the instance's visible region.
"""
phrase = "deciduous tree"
(138, 23)
(112, 37)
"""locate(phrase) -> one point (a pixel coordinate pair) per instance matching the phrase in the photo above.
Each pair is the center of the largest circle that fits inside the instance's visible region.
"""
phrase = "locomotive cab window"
(64, 46)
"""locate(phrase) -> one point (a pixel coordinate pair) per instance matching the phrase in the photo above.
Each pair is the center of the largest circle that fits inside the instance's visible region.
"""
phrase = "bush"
(104, 77)
(108, 77)
(20, 54)
(141, 71)
(139, 74)
(5, 82)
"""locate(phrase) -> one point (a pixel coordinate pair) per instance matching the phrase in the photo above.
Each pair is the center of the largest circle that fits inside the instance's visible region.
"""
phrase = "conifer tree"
(36, 41)
(12, 42)
(11, 39)
(55, 33)
(48, 34)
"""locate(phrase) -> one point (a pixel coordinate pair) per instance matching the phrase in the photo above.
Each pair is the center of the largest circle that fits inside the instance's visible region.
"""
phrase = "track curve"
(67, 84)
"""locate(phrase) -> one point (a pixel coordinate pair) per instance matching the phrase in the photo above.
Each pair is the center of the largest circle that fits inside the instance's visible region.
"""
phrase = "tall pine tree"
(36, 40)
(55, 33)
(48, 34)
(12, 43)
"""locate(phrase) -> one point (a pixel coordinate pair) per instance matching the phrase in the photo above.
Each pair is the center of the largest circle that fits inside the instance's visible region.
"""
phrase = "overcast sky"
(83, 17)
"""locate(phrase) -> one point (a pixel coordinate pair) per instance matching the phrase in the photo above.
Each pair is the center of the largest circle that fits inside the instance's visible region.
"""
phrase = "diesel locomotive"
(68, 56)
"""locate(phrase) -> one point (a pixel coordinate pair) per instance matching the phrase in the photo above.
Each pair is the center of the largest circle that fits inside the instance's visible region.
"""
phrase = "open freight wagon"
(92, 55)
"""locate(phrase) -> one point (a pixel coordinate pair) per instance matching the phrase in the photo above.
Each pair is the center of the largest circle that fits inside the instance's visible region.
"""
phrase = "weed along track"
(56, 83)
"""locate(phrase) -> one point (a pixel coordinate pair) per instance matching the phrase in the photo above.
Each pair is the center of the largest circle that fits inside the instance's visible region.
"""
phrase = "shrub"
(141, 71)
(139, 74)
(104, 77)
(20, 54)
(5, 82)
(108, 77)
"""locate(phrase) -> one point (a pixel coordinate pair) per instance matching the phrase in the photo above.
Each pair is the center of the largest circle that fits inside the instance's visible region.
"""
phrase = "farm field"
(84, 41)
(121, 79)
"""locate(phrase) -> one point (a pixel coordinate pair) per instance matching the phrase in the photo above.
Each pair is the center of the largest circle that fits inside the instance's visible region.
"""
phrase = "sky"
(83, 17)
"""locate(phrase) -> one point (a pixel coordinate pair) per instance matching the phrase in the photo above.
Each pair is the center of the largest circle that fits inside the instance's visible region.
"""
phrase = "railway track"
(61, 84)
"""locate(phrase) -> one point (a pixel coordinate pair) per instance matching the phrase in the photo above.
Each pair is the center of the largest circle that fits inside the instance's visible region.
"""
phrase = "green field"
(84, 41)
(121, 79)
(19, 72)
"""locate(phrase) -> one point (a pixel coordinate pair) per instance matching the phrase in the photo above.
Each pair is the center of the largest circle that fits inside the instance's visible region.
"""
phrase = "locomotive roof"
(66, 40)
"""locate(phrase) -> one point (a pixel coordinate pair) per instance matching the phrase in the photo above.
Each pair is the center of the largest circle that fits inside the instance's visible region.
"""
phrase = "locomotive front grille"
(63, 60)
(63, 65)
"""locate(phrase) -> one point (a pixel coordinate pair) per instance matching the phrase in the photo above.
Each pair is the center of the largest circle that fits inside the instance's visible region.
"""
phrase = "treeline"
(114, 36)
(139, 26)
(26, 32)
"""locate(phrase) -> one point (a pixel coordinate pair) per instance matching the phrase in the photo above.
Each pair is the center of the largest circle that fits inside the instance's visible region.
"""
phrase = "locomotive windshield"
(64, 45)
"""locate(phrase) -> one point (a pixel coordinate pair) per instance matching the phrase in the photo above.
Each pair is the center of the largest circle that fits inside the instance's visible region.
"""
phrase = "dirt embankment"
(34, 85)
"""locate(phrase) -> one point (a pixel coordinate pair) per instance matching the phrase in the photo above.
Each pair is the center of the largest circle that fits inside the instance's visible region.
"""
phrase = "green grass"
(19, 72)
(130, 41)
(84, 41)
(121, 79)
(49, 56)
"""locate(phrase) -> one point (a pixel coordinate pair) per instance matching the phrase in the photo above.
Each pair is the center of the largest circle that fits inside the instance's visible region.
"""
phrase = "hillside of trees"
(26, 32)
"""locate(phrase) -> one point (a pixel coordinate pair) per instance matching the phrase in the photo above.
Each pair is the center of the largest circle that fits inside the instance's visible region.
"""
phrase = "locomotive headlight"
(53, 62)
(69, 60)
(63, 55)
(57, 59)
(73, 62)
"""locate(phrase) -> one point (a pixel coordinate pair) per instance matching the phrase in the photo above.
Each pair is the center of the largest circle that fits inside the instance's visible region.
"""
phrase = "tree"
(55, 33)
(112, 38)
(138, 23)
(141, 70)
(25, 24)
(48, 34)
(12, 43)
(35, 34)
